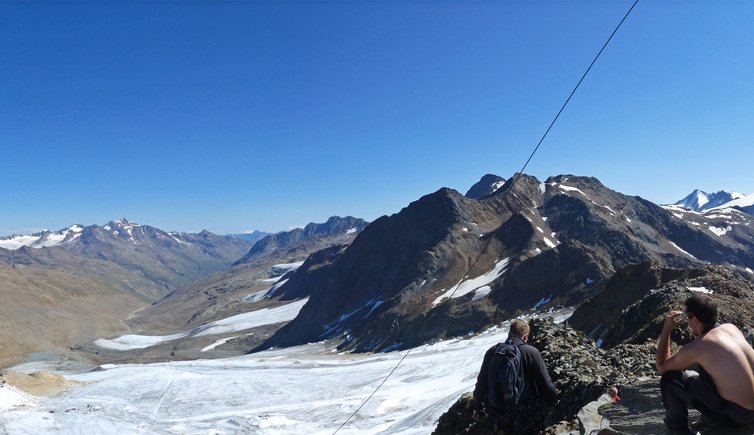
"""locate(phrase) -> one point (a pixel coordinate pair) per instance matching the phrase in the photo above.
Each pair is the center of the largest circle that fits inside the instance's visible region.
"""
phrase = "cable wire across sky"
(504, 196)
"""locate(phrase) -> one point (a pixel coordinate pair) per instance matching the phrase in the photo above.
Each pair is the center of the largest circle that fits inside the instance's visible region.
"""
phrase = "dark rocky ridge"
(389, 270)
(297, 244)
(562, 240)
(631, 307)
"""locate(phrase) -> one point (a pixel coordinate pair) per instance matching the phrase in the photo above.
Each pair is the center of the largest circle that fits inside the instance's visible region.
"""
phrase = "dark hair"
(703, 308)
(518, 328)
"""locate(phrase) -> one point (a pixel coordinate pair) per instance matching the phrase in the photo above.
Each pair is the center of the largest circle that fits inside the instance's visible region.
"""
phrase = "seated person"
(724, 389)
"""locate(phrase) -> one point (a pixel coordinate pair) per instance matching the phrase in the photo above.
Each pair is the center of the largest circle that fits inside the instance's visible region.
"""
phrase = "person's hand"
(673, 319)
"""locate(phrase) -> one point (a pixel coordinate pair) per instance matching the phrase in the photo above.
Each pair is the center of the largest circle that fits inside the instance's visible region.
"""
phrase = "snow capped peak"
(701, 201)
(125, 223)
(694, 201)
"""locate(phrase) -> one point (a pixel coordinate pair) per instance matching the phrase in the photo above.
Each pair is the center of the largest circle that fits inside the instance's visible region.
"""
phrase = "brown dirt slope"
(49, 310)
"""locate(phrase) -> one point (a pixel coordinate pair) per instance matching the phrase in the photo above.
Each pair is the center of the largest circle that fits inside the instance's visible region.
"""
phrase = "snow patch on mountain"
(481, 292)
(541, 302)
(219, 342)
(257, 295)
(43, 239)
(16, 242)
(284, 268)
(571, 189)
(719, 231)
(679, 248)
(743, 201)
(374, 304)
(470, 285)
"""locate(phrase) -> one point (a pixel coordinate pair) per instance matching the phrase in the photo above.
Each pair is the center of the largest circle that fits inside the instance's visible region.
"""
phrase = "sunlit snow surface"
(42, 240)
(239, 322)
(470, 285)
(304, 389)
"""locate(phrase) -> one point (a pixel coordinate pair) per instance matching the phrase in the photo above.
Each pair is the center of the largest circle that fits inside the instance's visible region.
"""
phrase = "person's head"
(519, 329)
(701, 313)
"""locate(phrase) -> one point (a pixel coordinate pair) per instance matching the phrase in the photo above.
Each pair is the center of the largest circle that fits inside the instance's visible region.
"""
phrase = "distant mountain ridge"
(311, 238)
(700, 201)
(252, 236)
(154, 261)
(66, 288)
(44, 238)
(270, 260)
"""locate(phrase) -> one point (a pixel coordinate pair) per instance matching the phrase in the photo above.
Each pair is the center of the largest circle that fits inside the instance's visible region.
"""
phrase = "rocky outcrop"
(632, 305)
(581, 372)
(310, 274)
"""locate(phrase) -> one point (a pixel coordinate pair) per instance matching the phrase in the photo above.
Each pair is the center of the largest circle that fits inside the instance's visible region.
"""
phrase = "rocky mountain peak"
(486, 186)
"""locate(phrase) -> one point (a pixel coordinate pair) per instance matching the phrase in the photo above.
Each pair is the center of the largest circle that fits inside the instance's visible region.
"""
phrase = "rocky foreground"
(582, 371)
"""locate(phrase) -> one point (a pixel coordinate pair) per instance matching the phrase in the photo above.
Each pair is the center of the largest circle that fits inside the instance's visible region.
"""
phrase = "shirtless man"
(724, 389)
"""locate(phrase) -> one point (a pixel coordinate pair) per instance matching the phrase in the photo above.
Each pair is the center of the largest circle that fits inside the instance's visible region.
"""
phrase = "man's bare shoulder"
(726, 329)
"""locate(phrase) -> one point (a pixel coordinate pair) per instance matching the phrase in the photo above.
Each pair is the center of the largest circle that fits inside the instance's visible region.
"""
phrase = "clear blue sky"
(232, 116)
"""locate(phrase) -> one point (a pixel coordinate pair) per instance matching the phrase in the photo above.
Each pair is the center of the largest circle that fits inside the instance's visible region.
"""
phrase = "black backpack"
(505, 378)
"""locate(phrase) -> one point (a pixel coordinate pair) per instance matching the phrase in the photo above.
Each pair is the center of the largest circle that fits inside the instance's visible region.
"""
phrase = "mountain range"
(269, 261)
(540, 245)
(445, 265)
(72, 286)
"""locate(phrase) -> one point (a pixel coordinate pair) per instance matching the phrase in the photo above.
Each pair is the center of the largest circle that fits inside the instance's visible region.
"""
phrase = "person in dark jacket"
(538, 386)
